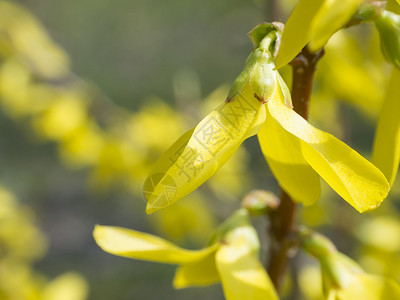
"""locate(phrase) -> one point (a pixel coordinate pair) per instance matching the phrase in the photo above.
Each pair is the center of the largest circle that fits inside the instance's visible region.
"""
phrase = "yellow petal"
(138, 245)
(200, 152)
(198, 273)
(288, 165)
(68, 286)
(386, 152)
(313, 22)
(354, 178)
(368, 287)
(242, 275)
(332, 15)
(296, 32)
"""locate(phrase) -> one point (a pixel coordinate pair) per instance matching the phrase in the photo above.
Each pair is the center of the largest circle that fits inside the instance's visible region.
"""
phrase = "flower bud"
(388, 25)
(259, 202)
(343, 278)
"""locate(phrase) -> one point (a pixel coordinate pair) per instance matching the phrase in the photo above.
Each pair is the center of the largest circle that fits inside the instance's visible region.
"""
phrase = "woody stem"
(282, 220)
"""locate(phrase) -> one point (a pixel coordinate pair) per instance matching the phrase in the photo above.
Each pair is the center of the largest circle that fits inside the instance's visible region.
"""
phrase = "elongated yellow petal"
(296, 32)
(386, 152)
(288, 165)
(354, 178)
(242, 275)
(200, 152)
(332, 15)
(198, 273)
(138, 245)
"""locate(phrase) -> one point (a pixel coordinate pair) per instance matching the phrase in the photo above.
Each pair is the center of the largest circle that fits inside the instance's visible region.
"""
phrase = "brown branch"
(283, 218)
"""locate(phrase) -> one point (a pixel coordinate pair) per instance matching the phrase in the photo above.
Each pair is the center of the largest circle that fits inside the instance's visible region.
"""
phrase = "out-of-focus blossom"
(342, 278)
(231, 258)
(21, 244)
(24, 36)
(68, 286)
(313, 22)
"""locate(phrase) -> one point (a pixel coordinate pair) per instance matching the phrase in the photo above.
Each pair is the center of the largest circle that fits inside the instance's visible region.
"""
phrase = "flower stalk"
(282, 219)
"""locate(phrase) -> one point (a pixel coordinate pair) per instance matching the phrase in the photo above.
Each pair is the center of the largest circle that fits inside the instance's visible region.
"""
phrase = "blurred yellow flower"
(23, 35)
(345, 280)
(21, 244)
(313, 22)
(342, 278)
(232, 257)
(345, 74)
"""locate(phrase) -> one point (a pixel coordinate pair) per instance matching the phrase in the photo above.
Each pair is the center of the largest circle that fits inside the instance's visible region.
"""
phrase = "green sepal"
(259, 70)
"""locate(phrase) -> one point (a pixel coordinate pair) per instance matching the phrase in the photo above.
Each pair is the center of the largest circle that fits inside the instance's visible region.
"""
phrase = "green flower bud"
(388, 25)
(259, 202)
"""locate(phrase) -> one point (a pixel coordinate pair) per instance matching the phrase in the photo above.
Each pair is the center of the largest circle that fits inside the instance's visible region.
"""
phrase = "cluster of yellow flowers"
(21, 245)
(37, 87)
(259, 102)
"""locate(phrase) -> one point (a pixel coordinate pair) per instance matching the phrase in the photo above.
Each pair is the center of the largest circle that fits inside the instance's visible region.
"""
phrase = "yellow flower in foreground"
(297, 153)
(343, 279)
(313, 22)
(232, 257)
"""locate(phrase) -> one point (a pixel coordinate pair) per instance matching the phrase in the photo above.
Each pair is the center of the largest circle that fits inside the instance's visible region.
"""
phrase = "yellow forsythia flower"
(232, 257)
(297, 152)
(313, 22)
(342, 278)
(23, 35)
(345, 75)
